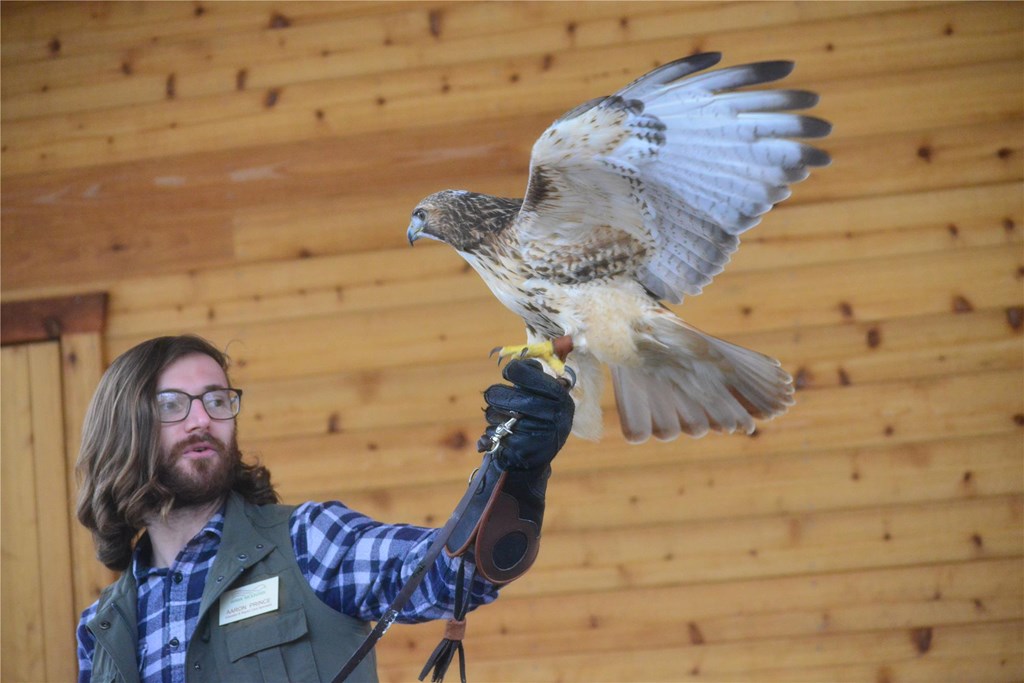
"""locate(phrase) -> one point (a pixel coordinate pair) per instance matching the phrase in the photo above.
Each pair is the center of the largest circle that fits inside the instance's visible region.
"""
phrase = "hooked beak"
(414, 230)
(416, 227)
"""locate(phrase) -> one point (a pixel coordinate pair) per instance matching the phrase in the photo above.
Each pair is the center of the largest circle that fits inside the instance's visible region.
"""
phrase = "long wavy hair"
(117, 463)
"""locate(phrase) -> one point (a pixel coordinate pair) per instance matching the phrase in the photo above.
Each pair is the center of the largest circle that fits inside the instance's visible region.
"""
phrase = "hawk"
(633, 200)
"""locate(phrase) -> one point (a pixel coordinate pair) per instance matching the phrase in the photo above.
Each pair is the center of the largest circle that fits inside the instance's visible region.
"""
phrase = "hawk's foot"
(552, 352)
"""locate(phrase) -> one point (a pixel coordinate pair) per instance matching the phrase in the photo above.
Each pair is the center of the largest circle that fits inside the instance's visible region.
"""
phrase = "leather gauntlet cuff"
(502, 522)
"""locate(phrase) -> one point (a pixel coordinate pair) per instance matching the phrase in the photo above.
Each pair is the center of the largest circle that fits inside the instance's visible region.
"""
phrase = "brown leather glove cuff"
(506, 534)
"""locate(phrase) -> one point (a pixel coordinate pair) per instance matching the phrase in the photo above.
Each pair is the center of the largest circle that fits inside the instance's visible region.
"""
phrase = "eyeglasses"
(220, 404)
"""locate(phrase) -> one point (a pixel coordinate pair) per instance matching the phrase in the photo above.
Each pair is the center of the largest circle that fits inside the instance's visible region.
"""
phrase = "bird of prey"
(634, 199)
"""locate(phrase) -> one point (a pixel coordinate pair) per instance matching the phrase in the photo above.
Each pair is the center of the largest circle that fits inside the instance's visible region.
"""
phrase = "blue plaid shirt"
(353, 563)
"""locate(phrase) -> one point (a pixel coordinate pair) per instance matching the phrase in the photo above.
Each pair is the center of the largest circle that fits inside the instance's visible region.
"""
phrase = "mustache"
(196, 439)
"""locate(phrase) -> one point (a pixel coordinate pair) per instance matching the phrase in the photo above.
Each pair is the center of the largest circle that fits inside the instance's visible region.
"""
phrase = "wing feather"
(668, 73)
(677, 164)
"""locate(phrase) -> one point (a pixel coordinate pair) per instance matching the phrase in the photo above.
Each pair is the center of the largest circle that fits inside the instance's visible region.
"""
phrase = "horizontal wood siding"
(245, 171)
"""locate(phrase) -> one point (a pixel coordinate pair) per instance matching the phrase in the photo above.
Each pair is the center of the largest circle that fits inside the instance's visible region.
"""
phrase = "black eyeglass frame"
(191, 400)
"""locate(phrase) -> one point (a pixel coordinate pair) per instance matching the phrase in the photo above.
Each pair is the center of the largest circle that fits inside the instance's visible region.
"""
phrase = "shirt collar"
(142, 555)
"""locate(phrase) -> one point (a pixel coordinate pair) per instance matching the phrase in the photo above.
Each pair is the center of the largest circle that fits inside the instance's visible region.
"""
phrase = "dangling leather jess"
(454, 631)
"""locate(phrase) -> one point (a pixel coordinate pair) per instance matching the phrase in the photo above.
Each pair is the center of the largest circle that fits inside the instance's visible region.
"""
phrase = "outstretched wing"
(667, 173)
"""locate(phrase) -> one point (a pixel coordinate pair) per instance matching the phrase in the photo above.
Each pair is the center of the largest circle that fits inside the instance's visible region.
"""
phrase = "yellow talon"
(544, 351)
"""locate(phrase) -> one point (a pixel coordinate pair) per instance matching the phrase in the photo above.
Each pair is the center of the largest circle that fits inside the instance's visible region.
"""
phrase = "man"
(223, 584)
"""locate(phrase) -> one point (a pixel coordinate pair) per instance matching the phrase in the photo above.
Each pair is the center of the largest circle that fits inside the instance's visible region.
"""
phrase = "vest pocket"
(278, 643)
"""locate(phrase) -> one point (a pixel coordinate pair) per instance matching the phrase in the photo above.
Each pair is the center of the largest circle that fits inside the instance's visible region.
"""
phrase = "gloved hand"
(501, 520)
(544, 412)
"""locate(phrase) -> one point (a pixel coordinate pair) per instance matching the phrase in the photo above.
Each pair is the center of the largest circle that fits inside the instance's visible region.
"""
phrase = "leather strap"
(415, 578)
(441, 658)
(455, 629)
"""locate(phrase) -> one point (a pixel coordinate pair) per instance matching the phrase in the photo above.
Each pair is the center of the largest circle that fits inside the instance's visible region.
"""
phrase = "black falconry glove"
(528, 423)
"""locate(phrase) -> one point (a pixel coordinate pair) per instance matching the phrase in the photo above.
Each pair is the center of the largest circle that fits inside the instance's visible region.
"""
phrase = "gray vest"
(302, 640)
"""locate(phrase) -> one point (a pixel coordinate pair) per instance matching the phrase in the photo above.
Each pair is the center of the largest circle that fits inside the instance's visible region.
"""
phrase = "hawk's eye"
(419, 214)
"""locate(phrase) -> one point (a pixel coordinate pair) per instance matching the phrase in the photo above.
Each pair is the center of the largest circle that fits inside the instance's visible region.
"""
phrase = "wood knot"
(1015, 317)
(53, 327)
(435, 21)
(874, 338)
(962, 305)
(278, 20)
(922, 639)
(456, 441)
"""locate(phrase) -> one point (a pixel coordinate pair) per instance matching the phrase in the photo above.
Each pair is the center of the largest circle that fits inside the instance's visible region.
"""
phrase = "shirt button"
(174, 643)
(178, 578)
(104, 625)
(243, 556)
(197, 666)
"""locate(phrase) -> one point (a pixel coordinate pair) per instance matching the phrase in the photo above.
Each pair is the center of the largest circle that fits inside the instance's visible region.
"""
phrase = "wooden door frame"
(77, 323)
(37, 320)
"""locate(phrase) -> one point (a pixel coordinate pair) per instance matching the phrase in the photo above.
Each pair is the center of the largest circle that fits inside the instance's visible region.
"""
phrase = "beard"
(198, 482)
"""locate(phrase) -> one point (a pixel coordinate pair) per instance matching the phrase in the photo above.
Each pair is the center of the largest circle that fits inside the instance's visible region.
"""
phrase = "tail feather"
(664, 424)
(692, 418)
(692, 383)
(634, 416)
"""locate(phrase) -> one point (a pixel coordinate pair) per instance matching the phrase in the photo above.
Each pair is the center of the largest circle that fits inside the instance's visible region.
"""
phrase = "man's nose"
(197, 415)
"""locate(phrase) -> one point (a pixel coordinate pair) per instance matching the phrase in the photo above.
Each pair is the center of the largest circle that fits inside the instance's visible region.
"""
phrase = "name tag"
(248, 601)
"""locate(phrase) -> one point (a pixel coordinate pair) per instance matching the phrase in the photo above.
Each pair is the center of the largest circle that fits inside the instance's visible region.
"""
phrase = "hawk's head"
(461, 219)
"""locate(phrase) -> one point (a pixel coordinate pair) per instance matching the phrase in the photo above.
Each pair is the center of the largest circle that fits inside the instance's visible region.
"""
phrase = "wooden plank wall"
(246, 171)
(36, 537)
